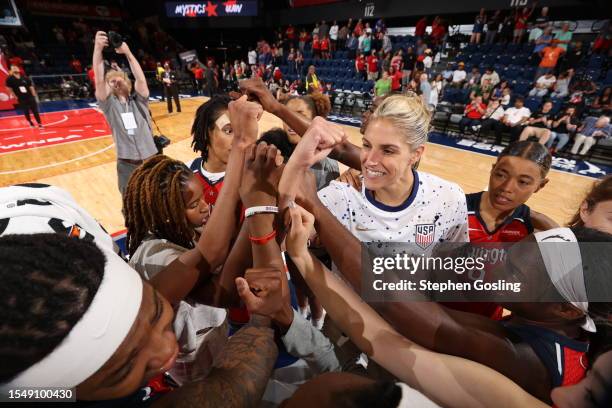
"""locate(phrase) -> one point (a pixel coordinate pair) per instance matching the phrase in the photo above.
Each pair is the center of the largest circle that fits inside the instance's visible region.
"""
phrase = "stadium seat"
(533, 103)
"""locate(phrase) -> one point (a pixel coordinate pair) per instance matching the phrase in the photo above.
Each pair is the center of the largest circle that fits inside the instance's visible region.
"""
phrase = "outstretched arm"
(140, 82)
(100, 42)
(240, 375)
(466, 383)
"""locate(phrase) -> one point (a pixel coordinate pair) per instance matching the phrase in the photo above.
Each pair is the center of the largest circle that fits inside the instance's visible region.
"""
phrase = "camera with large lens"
(115, 39)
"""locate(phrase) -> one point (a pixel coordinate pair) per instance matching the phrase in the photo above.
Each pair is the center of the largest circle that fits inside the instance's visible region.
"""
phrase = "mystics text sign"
(211, 8)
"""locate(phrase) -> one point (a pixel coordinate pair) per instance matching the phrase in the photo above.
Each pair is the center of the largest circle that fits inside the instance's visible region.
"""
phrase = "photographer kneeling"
(127, 113)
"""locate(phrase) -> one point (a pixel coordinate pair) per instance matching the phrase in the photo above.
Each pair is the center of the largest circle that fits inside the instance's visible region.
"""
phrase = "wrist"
(283, 319)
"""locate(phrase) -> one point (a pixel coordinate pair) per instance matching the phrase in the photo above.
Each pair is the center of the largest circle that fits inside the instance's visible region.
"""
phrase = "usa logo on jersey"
(424, 235)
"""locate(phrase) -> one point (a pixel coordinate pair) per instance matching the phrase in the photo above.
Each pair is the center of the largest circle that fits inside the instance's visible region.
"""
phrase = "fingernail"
(291, 204)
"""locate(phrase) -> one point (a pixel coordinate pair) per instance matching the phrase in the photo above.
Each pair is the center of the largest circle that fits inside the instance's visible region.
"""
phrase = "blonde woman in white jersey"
(396, 203)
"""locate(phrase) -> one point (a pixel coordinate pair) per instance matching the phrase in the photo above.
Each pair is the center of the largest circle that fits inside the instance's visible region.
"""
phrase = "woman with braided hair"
(165, 210)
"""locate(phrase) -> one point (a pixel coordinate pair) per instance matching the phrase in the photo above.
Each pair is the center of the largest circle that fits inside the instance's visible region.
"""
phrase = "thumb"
(245, 292)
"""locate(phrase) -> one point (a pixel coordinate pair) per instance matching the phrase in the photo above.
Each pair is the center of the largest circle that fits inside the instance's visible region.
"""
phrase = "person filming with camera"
(126, 112)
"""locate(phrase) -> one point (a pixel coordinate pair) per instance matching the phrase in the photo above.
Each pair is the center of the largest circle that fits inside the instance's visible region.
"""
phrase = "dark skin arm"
(542, 222)
(345, 152)
(239, 377)
(195, 267)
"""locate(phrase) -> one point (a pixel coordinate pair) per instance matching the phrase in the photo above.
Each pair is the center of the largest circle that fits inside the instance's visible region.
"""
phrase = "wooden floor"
(87, 168)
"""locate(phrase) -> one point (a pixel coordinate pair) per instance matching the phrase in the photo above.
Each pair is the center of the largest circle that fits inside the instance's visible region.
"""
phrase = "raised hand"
(256, 90)
(100, 41)
(244, 116)
(261, 173)
(300, 231)
(123, 49)
(317, 143)
(265, 292)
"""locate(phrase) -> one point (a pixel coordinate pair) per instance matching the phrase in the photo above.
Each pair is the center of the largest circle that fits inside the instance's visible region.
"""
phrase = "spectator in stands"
(252, 56)
(312, 81)
(325, 48)
(92, 77)
(299, 62)
(491, 75)
(427, 61)
(343, 35)
(520, 23)
(387, 45)
(360, 66)
(380, 26)
(367, 28)
(396, 79)
(447, 74)
(535, 33)
(212, 81)
(550, 56)
(564, 37)
(592, 130)
(170, 80)
(76, 65)
(303, 39)
(473, 78)
(493, 114)
(366, 44)
(513, 120)
(59, 34)
(383, 85)
(316, 46)
(539, 124)
(478, 27)
(507, 29)
(472, 114)
(574, 56)
(564, 124)
(290, 35)
(198, 76)
(602, 104)
(543, 19)
(438, 84)
(333, 36)
(438, 30)
(323, 29)
(24, 91)
(127, 114)
(358, 30)
(543, 41)
(424, 90)
(492, 27)
(352, 44)
(582, 92)
(385, 64)
(421, 26)
(409, 59)
(561, 88)
(315, 30)
(459, 76)
(372, 66)
(543, 85)
(396, 61)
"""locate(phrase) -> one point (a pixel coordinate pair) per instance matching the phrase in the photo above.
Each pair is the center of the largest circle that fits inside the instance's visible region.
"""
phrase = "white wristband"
(264, 209)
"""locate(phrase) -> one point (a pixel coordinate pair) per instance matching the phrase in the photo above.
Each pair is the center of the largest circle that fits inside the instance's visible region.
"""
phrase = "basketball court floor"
(75, 151)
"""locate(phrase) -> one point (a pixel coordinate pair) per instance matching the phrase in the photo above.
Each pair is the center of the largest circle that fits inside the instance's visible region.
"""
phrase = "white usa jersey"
(434, 212)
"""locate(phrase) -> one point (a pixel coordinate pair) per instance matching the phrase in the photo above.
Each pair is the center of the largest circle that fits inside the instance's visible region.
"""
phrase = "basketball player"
(396, 203)
(500, 213)
(85, 320)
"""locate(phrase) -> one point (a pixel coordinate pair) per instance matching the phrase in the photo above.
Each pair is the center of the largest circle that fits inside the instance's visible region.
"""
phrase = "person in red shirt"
(360, 65)
(303, 39)
(198, 74)
(18, 62)
(372, 66)
(290, 34)
(316, 47)
(473, 113)
(396, 78)
(550, 56)
(76, 65)
(358, 30)
(520, 23)
(92, 77)
(421, 26)
(325, 48)
(277, 74)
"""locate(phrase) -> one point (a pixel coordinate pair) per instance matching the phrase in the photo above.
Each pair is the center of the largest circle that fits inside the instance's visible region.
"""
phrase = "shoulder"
(439, 186)
(541, 222)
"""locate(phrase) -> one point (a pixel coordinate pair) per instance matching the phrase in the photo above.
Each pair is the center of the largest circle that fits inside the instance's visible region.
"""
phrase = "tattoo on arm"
(239, 376)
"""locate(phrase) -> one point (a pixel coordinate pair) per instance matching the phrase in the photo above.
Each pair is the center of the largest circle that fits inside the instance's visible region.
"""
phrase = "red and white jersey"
(211, 182)
(516, 227)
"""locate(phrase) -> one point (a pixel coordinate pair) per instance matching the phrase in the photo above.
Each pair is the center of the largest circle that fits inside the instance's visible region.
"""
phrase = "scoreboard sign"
(211, 8)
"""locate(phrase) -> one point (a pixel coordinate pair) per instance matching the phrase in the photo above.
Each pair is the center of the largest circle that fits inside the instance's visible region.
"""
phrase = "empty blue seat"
(533, 103)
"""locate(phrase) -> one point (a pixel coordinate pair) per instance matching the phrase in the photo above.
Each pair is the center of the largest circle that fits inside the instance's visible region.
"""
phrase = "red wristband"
(263, 240)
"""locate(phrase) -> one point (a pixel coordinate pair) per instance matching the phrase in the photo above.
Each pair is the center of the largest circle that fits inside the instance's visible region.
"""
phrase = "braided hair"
(204, 123)
(153, 203)
(48, 283)
(532, 151)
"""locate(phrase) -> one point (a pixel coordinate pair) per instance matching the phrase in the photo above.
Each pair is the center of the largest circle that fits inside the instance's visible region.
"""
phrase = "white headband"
(96, 337)
(113, 310)
(222, 121)
(564, 266)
